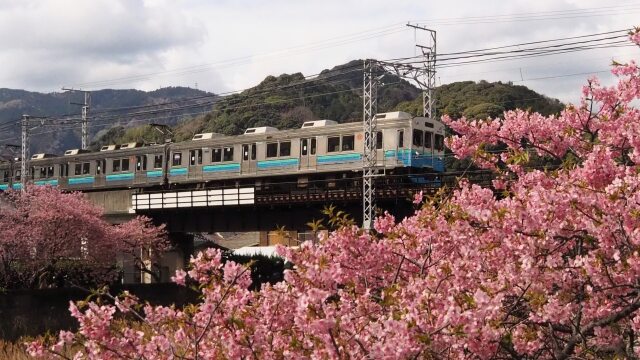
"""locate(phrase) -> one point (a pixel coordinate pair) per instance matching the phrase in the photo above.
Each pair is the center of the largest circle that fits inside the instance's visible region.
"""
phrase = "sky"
(223, 45)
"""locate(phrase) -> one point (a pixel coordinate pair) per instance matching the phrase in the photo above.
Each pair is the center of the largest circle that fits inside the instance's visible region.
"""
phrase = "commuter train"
(321, 151)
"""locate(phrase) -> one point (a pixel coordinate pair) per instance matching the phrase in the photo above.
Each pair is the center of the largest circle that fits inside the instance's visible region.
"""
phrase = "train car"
(123, 166)
(321, 150)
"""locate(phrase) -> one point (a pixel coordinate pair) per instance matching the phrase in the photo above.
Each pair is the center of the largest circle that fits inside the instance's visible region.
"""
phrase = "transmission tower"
(85, 116)
(427, 77)
(369, 122)
(422, 73)
(24, 166)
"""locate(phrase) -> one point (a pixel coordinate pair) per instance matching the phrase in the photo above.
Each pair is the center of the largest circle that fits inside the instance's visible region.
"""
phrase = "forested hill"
(287, 100)
(14, 103)
(484, 99)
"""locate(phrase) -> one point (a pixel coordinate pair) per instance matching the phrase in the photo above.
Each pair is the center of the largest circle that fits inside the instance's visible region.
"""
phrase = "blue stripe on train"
(82, 180)
(121, 177)
(418, 159)
(268, 164)
(154, 173)
(4, 187)
(338, 158)
(178, 171)
(221, 167)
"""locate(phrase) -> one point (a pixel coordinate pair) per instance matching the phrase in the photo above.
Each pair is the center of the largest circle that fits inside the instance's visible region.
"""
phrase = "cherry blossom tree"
(543, 265)
(48, 237)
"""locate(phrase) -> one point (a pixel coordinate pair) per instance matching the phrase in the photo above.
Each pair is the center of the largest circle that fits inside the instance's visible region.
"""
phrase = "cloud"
(79, 41)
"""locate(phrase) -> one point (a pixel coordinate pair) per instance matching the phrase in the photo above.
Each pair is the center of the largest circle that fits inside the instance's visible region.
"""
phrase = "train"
(320, 151)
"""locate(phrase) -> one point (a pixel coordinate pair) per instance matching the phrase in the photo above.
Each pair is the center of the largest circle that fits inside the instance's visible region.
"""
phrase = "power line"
(389, 30)
(308, 79)
(537, 16)
(537, 42)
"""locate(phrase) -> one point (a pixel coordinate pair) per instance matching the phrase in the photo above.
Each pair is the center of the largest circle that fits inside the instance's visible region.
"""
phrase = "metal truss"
(422, 73)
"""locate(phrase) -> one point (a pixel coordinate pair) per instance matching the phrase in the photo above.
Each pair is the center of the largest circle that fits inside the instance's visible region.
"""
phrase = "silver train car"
(320, 150)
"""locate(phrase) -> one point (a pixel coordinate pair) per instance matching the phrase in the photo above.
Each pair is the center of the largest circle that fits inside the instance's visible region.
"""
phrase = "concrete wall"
(116, 204)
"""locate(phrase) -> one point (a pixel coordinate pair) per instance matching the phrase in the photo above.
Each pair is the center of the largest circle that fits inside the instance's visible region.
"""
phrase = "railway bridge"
(255, 208)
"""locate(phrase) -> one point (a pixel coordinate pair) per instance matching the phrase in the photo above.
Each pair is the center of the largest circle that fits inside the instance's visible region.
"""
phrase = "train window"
(245, 152)
(216, 155)
(347, 142)
(5, 176)
(157, 162)
(116, 165)
(50, 171)
(195, 156)
(401, 138)
(379, 140)
(18, 175)
(85, 168)
(333, 144)
(254, 149)
(177, 159)
(304, 146)
(64, 170)
(272, 150)
(228, 154)
(125, 164)
(98, 167)
(78, 169)
(439, 142)
(43, 172)
(418, 137)
(427, 139)
(285, 148)
(141, 162)
(313, 146)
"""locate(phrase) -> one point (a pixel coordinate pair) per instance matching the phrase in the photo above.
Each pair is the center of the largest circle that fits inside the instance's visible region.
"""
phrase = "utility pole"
(85, 115)
(423, 75)
(428, 81)
(24, 166)
(369, 123)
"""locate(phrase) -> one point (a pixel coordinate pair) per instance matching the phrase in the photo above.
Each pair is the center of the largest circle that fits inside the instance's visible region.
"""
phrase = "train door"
(195, 163)
(308, 148)
(249, 154)
(140, 169)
